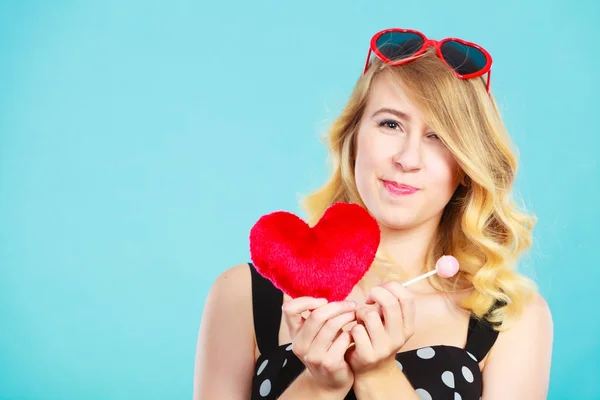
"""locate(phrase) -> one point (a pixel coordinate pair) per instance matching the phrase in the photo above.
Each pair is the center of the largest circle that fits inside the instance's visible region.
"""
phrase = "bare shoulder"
(518, 365)
(225, 349)
(233, 281)
(230, 295)
(535, 321)
(230, 298)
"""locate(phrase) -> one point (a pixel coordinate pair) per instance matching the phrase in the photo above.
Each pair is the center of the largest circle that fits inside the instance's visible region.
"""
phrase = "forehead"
(386, 92)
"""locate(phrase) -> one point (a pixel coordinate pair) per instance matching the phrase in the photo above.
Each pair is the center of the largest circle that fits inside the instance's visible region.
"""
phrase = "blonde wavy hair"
(481, 225)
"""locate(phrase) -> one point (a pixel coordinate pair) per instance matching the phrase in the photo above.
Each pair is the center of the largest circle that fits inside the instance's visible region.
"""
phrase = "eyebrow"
(397, 113)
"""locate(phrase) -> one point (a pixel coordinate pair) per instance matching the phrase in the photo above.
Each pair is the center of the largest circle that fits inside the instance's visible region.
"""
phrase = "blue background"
(140, 140)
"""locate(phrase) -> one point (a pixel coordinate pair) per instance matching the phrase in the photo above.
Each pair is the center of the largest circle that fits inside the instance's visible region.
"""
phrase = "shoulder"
(232, 287)
(229, 299)
(522, 354)
(237, 275)
(535, 322)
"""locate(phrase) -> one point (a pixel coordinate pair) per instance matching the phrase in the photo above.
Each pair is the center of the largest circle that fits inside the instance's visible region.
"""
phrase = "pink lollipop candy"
(446, 267)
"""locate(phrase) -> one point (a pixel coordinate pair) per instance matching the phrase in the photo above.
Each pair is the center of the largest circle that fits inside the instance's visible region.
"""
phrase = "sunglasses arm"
(487, 85)
(367, 62)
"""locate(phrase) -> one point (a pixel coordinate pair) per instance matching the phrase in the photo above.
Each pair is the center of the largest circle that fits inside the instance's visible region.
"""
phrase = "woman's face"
(404, 173)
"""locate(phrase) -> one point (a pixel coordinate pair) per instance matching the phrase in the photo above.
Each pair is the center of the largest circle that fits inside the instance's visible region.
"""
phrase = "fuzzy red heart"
(324, 261)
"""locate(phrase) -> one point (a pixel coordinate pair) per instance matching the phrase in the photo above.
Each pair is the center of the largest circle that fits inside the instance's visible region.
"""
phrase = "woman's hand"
(319, 341)
(385, 324)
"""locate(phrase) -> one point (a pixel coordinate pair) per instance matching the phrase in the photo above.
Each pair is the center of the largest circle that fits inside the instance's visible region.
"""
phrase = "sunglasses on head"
(397, 46)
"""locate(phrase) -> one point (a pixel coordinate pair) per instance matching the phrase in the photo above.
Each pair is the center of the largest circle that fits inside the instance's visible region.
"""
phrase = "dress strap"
(482, 335)
(266, 309)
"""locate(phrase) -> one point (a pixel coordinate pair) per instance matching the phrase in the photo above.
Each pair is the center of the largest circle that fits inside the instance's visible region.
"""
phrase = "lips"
(399, 189)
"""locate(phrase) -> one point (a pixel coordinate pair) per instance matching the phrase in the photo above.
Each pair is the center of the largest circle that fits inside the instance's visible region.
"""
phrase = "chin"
(397, 219)
(398, 225)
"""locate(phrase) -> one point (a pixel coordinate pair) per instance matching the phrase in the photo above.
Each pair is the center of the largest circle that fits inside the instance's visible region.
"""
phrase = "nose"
(409, 156)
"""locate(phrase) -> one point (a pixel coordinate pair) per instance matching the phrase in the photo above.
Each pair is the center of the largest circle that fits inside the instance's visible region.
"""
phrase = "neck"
(408, 248)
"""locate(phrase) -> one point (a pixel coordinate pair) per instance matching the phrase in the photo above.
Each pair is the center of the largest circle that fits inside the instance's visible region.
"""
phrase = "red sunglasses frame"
(487, 68)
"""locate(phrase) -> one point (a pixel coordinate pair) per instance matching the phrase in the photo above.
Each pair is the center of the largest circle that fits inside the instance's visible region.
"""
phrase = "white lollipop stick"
(418, 278)
(446, 267)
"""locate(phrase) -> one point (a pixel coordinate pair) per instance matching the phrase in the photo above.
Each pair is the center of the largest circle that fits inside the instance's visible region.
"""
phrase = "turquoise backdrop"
(140, 140)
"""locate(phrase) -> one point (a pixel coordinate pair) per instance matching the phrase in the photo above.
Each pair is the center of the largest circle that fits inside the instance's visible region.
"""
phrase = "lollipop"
(446, 267)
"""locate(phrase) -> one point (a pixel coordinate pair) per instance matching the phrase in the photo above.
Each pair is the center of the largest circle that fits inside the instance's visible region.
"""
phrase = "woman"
(422, 147)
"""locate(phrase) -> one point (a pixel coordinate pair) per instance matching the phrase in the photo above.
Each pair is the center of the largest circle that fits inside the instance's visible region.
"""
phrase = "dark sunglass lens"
(464, 59)
(399, 45)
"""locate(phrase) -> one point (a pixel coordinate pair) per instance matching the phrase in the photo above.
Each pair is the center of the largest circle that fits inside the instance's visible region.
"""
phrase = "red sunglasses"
(397, 46)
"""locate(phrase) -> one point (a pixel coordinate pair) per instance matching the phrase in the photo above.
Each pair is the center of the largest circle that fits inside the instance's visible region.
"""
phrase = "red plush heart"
(325, 261)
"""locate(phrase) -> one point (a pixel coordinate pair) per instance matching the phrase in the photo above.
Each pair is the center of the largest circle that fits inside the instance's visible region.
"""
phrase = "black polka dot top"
(435, 372)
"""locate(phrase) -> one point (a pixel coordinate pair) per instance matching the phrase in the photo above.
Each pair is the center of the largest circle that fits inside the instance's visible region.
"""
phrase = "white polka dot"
(467, 374)
(448, 379)
(262, 367)
(472, 356)
(289, 348)
(284, 363)
(457, 396)
(399, 365)
(426, 353)
(265, 388)
(423, 394)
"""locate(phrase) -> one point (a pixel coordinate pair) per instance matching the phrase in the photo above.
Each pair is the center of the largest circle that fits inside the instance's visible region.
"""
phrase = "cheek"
(444, 170)
(368, 162)
(372, 151)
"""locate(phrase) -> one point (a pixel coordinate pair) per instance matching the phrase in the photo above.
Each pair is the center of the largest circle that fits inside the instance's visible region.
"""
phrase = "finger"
(301, 304)
(349, 325)
(293, 310)
(327, 334)
(376, 331)
(362, 343)
(340, 345)
(392, 312)
(407, 305)
(361, 312)
(319, 317)
(346, 328)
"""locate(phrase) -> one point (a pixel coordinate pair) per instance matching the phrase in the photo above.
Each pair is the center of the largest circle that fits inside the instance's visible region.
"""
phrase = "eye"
(390, 124)
(433, 136)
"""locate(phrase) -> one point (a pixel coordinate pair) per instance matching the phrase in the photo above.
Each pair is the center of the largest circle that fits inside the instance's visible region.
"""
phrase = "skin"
(380, 321)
